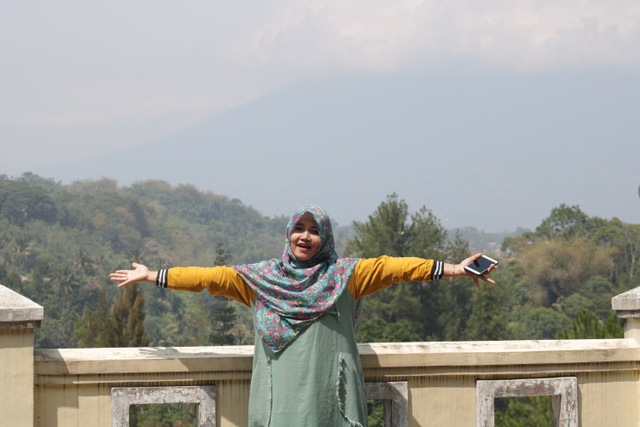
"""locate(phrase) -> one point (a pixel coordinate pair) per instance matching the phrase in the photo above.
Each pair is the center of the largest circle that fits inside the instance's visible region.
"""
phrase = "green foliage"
(93, 329)
(525, 412)
(587, 326)
(575, 304)
(48, 184)
(59, 242)
(392, 231)
(625, 238)
(564, 221)
(126, 325)
(72, 236)
(541, 323)
(375, 411)
(163, 415)
(21, 202)
(389, 232)
(377, 330)
(487, 321)
(10, 280)
(225, 314)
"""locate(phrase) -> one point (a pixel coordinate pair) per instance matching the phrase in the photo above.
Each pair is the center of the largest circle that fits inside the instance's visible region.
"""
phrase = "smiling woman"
(306, 307)
(305, 238)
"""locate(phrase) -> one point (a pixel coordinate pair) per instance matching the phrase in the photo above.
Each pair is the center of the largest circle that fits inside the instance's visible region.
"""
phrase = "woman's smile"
(305, 238)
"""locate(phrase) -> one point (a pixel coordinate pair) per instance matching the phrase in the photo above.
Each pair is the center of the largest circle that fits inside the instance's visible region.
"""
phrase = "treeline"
(554, 282)
(58, 243)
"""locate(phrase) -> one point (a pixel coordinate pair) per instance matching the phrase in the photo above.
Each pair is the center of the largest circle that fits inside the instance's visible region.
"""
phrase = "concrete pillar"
(627, 306)
(19, 317)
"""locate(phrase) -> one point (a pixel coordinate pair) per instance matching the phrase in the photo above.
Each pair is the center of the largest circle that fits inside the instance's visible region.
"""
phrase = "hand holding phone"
(480, 265)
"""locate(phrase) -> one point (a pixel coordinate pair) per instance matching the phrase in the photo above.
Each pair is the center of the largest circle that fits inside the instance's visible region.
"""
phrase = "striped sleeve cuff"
(161, 279)
(437, 270)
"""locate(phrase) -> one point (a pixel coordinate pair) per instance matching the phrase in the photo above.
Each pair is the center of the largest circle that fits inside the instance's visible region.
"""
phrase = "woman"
(306, 366)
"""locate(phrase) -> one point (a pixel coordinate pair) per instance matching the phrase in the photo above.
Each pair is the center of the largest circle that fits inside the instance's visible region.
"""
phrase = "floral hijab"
(291, 294)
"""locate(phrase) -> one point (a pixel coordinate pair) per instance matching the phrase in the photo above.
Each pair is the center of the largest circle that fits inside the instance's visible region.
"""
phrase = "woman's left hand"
(460, 271)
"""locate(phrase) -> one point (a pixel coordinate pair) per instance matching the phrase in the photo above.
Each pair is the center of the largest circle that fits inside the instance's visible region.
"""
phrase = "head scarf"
(292, 294)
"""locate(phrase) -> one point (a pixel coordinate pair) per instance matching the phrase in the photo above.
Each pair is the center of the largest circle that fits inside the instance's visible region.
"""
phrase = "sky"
(83, 79)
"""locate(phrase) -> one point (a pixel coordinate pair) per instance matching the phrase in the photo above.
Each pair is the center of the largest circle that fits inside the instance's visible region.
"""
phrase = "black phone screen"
(481, 265)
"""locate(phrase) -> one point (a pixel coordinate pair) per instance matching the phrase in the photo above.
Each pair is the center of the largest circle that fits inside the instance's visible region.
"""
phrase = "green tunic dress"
(316, 381)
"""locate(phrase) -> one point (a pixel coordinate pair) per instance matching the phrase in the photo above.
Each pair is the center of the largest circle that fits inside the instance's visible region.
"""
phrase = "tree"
(377, 330)
(136, 255)
(209, 320)
(564, 221)
(5, 239)
(625, 240)
(587, 326)
(560, 266)
(487, 321)
(84, 261)
(10, 280)
(92, 327)
(21, 202)
(542, 323)
(126, 323)
(449, 301)
(22, 250)
(225, 313)
(532, 411)
(65, 280)
(391, 231)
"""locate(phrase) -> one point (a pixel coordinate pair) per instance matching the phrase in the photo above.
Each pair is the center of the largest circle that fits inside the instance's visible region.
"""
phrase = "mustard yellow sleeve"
(217, 280)
(374, 274)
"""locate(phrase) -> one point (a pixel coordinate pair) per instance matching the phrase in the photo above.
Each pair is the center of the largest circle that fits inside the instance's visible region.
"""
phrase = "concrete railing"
(73, 386)
(18, 318)
(593, 382)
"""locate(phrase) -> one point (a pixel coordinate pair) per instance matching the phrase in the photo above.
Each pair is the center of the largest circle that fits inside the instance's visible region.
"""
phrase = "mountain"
(495, 152)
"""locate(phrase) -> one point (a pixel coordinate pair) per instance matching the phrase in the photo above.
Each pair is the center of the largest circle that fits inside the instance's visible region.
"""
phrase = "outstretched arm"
(374, 274)
(217, 280)
(140, 274)
(457, 270)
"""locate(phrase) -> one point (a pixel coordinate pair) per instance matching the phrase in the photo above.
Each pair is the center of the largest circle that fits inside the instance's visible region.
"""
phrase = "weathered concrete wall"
(18, 317)
(73, 385)
(16, 377)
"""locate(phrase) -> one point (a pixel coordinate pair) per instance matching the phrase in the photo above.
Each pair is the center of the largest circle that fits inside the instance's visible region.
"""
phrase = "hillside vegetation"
(59, 242)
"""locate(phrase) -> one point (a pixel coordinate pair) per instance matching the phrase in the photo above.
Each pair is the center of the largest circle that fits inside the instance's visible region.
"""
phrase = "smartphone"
(481, 265)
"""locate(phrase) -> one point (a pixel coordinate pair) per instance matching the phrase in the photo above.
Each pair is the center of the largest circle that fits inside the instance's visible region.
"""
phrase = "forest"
(58, 243)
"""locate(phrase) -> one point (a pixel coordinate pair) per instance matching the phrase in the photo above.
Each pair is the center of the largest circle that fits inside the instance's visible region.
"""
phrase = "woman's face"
(305, 238)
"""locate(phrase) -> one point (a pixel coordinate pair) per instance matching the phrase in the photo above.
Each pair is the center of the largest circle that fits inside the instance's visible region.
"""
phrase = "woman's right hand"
(140, 274)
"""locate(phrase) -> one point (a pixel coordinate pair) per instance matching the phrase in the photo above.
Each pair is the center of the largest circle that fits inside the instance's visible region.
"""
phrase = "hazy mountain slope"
(495, 152)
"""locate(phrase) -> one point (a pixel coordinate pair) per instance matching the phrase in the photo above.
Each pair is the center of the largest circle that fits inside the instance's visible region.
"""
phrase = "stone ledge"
(20, 325)
(18, 312)
(378, 355)
(628, 314)
(627, 301)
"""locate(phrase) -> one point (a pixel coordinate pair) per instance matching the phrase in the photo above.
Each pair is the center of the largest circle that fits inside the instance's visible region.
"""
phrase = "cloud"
(73, 62)
(393, 36)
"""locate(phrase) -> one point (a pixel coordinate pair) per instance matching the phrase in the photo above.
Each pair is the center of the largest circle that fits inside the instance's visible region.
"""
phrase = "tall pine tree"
(126, 325)
(122, 326)
(225, 314)
(412, 308)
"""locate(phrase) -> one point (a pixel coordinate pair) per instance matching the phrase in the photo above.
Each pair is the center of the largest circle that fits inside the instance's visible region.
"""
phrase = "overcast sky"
(81, 78)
